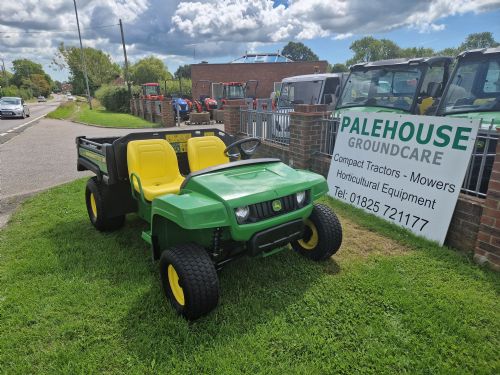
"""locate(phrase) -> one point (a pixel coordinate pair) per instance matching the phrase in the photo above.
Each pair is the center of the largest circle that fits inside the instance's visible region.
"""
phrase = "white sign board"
(406, 169)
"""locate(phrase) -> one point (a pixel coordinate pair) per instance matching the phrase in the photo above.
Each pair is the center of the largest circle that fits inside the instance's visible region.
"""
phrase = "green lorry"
(397, 85)
(206, 203)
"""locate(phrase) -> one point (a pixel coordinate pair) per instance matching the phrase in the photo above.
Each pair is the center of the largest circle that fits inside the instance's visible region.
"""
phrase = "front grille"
(264, 210)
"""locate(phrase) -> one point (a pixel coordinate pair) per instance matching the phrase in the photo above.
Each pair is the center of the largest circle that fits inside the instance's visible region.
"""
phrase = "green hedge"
(15, 91)
(114, 98)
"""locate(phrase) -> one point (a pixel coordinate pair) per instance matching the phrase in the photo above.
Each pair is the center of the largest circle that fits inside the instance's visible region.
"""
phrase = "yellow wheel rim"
(93, 206)
(173, 280)
(312, 242)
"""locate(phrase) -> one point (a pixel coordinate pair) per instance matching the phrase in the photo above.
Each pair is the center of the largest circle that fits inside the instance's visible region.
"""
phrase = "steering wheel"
(244, 153)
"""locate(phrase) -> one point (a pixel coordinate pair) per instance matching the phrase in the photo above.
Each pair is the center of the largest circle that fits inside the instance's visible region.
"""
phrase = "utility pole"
(83, 57)
(126, 61)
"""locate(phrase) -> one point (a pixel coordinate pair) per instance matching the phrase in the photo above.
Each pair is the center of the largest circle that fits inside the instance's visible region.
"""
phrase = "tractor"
(151, 91)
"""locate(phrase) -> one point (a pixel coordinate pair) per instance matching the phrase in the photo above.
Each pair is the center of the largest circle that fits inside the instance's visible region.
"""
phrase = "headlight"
(301, 198)
(242, 214)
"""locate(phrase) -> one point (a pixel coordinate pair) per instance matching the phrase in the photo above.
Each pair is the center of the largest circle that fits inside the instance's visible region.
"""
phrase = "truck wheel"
(189, 280)
(94, 198)
(322, 235)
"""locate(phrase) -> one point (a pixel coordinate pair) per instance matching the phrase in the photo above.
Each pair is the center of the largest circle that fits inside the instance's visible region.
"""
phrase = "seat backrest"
(204, 152)
(153, 160)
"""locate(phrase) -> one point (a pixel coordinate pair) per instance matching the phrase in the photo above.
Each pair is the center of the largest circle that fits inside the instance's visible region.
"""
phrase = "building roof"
(250, 58)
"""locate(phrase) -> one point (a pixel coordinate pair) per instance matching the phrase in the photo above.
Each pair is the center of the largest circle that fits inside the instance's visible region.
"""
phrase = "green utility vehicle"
(206, 203)
(474, 88)
(473, 92)
(396, 85)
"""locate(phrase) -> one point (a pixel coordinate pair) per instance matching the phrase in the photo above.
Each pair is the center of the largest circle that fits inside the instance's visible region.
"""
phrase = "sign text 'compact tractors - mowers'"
(206, 203)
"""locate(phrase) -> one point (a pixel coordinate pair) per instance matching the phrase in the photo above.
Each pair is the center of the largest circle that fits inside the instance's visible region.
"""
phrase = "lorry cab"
(311, 89)
(397, 85)
(473, 90)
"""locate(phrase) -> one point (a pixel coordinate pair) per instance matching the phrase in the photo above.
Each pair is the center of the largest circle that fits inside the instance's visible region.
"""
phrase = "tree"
(338, 68)
(299, 52)
(416, 52)
(371, 49)
(183, 71)
(100, 68)
(478, 40)
(149, 69)
(23, 69)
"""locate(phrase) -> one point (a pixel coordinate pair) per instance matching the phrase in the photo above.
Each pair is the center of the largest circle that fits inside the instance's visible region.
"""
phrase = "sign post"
(406, 169)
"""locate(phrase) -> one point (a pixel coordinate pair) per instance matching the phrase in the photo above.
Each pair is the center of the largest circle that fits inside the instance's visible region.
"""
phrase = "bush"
(114, 98)
(15, 91)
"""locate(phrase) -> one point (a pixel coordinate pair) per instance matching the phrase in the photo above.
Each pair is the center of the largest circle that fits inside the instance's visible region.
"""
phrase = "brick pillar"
(487, 249)
(232, 116)
(167, 115)
(305, 133)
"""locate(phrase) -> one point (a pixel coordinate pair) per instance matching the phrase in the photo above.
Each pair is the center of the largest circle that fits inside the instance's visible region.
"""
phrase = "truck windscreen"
(303, 92)
(391, 88)
(475, 87)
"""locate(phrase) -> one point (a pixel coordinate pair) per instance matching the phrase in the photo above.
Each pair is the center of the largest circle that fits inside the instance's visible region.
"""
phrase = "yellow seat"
(204, 152)
(155, 162)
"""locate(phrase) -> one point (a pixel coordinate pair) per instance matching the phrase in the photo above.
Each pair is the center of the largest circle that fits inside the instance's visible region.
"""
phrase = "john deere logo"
(277, 205)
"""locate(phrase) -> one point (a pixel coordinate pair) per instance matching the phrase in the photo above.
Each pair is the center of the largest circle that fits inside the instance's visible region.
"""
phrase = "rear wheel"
(95, 200)
(189, 280)
(322, 235)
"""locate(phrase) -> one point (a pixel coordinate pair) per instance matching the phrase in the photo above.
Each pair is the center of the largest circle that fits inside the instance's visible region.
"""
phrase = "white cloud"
(342, 36)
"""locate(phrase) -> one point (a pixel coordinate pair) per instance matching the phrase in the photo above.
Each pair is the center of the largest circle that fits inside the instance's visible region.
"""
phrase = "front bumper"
(275, 237)
(10, 113)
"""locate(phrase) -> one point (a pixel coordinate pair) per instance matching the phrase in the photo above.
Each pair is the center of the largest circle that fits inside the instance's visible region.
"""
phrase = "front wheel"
(322, 235)
(189, 280)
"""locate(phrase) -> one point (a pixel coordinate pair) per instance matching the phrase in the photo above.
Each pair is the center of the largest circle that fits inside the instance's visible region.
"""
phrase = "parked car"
(41, 98)
(71, 98)
(13, 107)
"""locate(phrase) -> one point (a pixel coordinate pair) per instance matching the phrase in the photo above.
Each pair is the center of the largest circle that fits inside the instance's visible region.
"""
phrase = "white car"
(71, 98)
(13, 107)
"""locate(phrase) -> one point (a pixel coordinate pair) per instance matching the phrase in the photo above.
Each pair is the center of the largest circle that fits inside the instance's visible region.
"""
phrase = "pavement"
(43, 156)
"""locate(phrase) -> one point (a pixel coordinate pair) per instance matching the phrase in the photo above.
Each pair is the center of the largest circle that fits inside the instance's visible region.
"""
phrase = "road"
(11, 127)
(44, 155)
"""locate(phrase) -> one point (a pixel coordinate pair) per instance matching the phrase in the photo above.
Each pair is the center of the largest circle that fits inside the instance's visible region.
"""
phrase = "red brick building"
(265, 72)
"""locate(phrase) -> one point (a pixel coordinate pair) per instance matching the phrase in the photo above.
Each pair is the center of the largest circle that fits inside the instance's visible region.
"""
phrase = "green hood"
(487, 117)
(248, 184)
(370, 109)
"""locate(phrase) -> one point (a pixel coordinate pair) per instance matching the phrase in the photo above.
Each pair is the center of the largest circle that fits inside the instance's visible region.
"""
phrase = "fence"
(270, 126)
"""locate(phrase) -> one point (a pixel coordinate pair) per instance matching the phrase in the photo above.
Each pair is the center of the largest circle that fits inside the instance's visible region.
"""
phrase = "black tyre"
(322, 235)
(189, 280)
(95, 200)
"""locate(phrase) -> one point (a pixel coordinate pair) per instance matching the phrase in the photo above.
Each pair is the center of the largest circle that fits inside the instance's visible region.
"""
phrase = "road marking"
(21, 126)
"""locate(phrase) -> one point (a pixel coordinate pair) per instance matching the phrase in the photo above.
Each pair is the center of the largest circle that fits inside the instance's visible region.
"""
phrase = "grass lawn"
(80, 112)
(73, 300)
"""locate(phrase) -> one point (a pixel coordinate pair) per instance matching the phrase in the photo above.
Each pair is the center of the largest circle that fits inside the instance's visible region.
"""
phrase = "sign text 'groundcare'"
(406, 169)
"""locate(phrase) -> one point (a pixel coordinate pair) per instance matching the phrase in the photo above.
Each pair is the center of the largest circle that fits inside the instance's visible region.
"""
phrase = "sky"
(186, 32)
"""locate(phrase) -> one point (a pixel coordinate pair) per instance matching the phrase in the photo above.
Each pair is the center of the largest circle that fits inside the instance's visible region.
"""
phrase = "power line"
(58, 31)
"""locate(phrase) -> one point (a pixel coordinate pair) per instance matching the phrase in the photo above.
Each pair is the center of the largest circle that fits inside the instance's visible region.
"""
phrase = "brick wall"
(265, 73)
(487, 249)
(464, 225)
